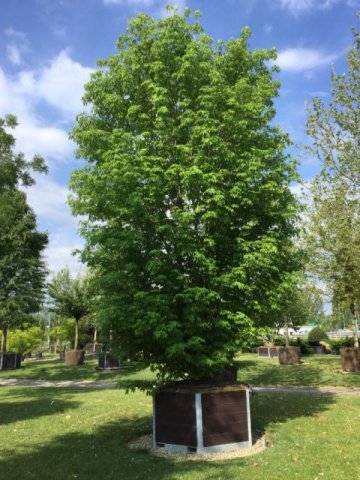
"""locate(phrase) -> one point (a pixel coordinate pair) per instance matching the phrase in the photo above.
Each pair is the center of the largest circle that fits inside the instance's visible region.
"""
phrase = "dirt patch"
(145, 442)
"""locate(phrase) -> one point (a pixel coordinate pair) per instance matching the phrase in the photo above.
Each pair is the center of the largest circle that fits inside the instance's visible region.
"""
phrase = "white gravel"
(145, 442)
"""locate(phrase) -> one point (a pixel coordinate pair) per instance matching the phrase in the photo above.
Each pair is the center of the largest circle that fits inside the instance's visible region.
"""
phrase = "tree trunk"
(3, 338)
(286, 330)
(354, 312)
(76, 343)
(95, 336)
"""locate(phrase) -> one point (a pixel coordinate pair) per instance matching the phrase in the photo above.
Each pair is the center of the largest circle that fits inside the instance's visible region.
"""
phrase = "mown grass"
(54, 369)
(315, 370)
(76, 434)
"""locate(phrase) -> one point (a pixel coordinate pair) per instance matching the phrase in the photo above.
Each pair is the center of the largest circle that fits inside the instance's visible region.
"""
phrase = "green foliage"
(71, 297)
(25, 341)
(63, 331)
(295, 342)
(336, 345)
(316, 335)
(189, 215)
(22, 268)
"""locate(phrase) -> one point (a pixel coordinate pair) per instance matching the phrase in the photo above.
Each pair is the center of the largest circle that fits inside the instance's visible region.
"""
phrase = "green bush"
(304, 345)
(336, 345)
(25, 341)
(316, 335)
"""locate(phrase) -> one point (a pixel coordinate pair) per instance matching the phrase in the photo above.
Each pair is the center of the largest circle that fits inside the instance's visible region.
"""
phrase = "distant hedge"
(336, 345)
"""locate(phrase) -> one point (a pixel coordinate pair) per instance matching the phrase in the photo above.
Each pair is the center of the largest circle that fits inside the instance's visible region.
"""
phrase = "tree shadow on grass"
(104, 454)
(271, 408)
(304, 374)
(18, 411)
(31, 403)
(57, 370)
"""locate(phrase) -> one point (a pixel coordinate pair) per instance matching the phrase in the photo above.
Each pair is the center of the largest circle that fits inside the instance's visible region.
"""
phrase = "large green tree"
(186, 193)
(22, 268)
(334, 227)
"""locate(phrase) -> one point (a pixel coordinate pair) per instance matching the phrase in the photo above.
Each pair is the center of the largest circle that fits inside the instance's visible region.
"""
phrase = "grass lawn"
(76, 434)
(54, 369)
(314, 370)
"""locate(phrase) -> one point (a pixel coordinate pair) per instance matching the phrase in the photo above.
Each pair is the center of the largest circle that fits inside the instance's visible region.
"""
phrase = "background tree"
(186, 192)
(22, 268)
(71, 297)
(334, 228)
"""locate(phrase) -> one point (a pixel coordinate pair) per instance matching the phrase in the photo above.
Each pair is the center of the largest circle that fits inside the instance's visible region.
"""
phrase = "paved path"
(307, 390)
(21, 382)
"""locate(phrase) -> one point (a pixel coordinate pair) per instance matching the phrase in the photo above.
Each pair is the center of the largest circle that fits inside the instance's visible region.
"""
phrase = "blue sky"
(50, 47)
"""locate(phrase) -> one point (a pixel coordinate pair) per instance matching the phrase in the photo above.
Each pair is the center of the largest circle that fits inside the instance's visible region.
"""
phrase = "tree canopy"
(22, 268)
(71, 297)
(186, 193)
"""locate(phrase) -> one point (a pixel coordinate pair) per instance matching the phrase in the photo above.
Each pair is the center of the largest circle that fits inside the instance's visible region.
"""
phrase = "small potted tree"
(72, 298)
(289, 294)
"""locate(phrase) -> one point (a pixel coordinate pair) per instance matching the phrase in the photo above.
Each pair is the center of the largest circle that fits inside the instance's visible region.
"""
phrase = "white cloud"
(48, 199)
(59, 253)
(33, 138)
(303, 59)
(17, 96)
(11, 32)
(14, 54)
(61, 83)
(297, 6)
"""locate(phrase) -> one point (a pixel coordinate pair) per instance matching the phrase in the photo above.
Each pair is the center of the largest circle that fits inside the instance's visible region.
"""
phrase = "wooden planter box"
(108, 362)
(269, 352)
(289, 355)
(10, 360)
(74, 357)
(201, 419)
(350, 359)
(319, 349)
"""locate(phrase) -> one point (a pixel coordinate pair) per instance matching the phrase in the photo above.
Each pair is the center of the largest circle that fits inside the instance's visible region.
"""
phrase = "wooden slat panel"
(175, 419)
(224, 418)
(224, 438)
(232, 400)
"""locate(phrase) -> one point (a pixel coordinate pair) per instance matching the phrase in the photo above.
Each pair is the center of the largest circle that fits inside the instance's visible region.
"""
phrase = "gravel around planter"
(145, 442)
